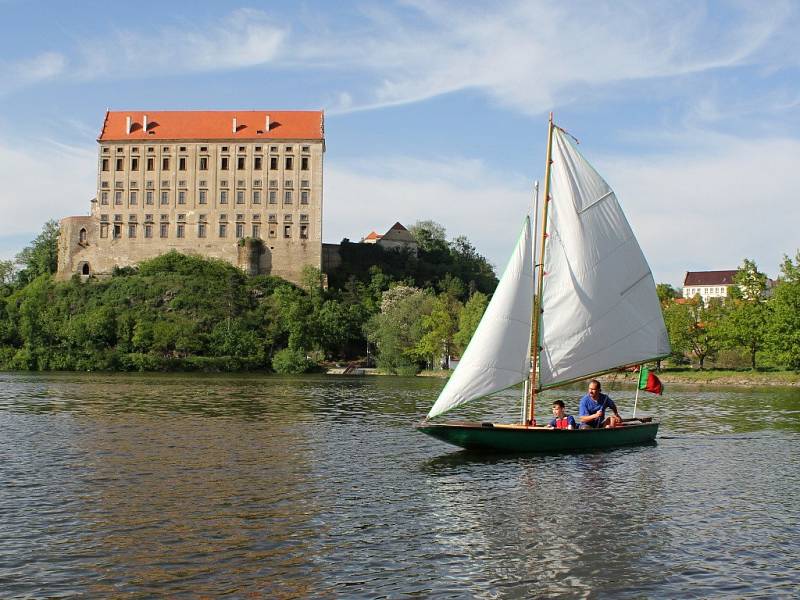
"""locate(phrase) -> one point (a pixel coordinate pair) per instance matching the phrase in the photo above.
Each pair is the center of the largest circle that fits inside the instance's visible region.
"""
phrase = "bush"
(288, 361)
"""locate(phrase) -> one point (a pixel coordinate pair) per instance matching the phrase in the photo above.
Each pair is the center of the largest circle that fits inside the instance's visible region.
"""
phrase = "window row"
(240, 197)
(203, 163)
(166, 230)
(223, 218)
(168, 149)
(203, 184)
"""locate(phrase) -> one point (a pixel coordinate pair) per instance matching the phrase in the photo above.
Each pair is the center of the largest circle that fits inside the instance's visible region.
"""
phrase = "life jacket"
(562, 423)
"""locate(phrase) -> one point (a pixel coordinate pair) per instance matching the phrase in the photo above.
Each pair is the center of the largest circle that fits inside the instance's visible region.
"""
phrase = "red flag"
(649, 382)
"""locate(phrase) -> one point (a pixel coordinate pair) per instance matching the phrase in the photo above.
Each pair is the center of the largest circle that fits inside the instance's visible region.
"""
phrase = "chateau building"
(242, 186)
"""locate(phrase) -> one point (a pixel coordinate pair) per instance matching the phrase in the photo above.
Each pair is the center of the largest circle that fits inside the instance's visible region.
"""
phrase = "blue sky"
(438, 110)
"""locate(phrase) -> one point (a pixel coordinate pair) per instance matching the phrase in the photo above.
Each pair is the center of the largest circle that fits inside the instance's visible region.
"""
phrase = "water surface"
(136, 486)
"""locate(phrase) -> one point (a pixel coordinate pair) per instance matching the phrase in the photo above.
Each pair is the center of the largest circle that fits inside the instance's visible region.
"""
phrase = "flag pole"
(636, 400)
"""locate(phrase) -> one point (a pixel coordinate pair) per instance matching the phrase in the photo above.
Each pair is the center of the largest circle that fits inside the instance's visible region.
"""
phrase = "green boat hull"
(504, 438)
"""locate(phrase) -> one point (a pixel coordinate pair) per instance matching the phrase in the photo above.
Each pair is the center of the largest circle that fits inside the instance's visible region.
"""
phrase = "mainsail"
(599, 297)
(498, 356)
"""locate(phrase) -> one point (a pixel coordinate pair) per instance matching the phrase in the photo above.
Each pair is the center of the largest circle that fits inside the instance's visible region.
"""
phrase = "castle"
(241, 186)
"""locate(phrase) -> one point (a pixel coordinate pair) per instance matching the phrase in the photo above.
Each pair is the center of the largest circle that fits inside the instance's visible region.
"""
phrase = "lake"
(192, 486)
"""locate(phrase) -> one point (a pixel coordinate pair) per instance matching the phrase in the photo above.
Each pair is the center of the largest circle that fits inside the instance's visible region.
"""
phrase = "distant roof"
(709, 278)
(373, 236)
(214, 125)
(398, 233)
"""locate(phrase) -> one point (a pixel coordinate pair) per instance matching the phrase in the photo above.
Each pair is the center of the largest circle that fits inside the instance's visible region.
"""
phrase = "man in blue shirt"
(592, 413)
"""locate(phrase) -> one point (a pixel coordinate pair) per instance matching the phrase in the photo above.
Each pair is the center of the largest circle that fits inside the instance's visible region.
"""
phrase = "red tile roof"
(373, 236)
(709, 278)
(214, 125)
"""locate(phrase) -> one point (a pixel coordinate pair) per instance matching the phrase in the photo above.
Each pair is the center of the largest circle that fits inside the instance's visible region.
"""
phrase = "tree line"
(756, 319)
(182, 312)
(399, 310)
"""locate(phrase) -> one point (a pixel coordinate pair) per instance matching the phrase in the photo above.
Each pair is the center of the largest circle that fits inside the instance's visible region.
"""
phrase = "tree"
(41, 257)
(398, 328)
(6, 272)
(784, 332)
(429, 235)
(439, 327)
(666, 292)
(746, 312)
(468, 319)
(693, 328)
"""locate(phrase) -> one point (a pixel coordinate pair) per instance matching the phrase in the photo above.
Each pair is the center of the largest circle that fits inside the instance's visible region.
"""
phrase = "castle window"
(201, 230)
(287, 218)
(182, 163)
(150, 164)
(105, 150)
(304, 218)
(306, 148)
(164, 218)
(120, 149)
(257, 163)
(224, 148)
(150, 184)
(131, 230)
(256, 217)
(287, 231)
(289, 148)
(148, 197)
(203, 148)
(135, 150)
(117, 231)
(239, 196)
(287, 197)
(273, 197)
(289, 164)
(204, 163)
(164, 230)
(273, 148)
(148, 230)
(118, 198)
(240, 183)
(304, 197)
(240, 163)
(239, 217)
(132, 198)
(134, 185)
(257, 183)
(273, 232)
(258, 148)
(85, 269)
(203, 183)
(273, 218)
(223, 217)
(203, 196)
(151, 149)
(223, 183)
(256, 231)
(119, 166)
(117, 218)
(103, 230)
(104, 218)
(273, 162)
(164, 198)
(134, 164)
(288, 184)
(165, 183)
(104, 164)
(165, 148)
(165, 163)
(182, 148)
(304, 163)
(82, 236)
(181, 229)
(223, 230)
(148, 217)
(273, 184)
(240, 230)
(118, 185)
(304, 183)
(104, 198)
(181, 216)
(104, 185)
(303, 232)
(223, 163)
(182, 197)
(241, 148)
(223, 196)
(256, 197)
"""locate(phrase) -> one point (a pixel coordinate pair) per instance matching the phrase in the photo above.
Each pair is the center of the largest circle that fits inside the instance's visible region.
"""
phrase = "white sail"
(600, 305)
(498, 356)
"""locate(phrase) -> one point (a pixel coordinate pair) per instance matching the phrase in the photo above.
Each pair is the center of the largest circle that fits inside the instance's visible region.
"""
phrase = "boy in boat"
(592, 413)
(561, 420)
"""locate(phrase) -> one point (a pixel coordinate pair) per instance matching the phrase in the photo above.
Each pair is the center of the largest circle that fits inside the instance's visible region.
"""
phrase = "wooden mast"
(537, 303)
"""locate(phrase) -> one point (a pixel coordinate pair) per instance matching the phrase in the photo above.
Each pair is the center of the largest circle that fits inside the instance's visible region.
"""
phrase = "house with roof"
(241, 186)
(708, 284)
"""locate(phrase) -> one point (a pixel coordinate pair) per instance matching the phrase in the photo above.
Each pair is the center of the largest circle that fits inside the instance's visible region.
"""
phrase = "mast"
(537, 303)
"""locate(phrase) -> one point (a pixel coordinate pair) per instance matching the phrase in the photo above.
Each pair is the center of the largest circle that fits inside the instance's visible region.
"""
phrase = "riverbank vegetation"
(396, 310)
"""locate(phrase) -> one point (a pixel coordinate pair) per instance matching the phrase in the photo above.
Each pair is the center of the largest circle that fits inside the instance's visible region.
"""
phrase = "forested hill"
(186, 312)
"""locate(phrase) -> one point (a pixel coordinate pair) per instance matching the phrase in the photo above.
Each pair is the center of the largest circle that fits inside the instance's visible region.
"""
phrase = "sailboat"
(585, 305)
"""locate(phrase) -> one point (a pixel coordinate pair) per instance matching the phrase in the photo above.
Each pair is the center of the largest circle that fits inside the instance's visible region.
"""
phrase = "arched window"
(85, 269)
(82, 236)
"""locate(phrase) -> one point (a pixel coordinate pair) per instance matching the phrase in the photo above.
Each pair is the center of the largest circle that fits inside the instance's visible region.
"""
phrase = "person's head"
(558, 409)
(594, 389)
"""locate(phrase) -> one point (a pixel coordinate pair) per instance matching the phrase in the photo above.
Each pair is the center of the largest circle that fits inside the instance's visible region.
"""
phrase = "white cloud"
(47, 181)
(28, 71)
(712, 206)
(244, 39)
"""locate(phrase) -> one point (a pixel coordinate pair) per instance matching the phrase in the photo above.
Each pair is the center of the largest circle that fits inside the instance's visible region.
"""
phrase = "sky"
(438, 110)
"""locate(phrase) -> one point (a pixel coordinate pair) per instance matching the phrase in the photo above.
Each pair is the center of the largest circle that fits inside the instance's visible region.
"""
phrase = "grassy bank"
(717, 377)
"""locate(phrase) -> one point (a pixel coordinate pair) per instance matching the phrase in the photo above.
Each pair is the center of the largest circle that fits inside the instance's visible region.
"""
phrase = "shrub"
(288, 361)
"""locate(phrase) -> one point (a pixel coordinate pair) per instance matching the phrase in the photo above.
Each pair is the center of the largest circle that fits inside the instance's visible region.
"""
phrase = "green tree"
(429, 235)
(746, 311)
(468, 319)
(398, 328)
(439, 328)
(784, 331)
(666, 292)
(693, 328)
(41, 257)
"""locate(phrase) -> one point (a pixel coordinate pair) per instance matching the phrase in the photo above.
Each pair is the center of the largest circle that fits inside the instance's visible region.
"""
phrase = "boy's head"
(558, 408)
